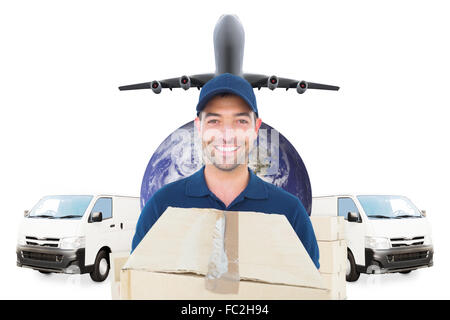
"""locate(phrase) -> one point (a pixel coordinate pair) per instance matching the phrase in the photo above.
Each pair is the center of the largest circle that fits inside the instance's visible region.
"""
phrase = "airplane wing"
(185, 82)
(256, 80)
(272, 82)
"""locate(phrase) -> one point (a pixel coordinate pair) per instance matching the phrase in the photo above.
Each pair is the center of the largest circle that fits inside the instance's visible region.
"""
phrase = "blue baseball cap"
(227, 82)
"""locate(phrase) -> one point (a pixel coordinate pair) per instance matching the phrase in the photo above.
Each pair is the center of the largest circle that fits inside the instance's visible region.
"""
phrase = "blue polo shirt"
(259, 196)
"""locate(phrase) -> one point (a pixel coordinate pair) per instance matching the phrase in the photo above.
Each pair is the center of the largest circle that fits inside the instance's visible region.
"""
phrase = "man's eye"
(242, 121)
(212, 121)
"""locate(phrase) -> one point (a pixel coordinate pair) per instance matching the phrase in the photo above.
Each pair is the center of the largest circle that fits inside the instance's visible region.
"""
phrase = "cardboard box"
(332, 256)
(328, 228)
(336, 283)
(330, 235)
(214, 254)
(117, 260)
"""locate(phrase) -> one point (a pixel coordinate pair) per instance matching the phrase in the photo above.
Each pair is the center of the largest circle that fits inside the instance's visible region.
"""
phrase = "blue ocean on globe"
(273, 159)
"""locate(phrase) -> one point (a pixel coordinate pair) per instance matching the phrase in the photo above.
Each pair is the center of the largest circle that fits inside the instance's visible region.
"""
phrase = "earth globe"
(273, 159)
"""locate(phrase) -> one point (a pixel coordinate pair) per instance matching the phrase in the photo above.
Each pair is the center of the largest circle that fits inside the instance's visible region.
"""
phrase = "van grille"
(42, 242)
(408, 256)
(406, 242)
(42, 256)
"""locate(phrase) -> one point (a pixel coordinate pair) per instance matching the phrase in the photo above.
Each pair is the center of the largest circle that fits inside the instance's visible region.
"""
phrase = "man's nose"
(228, 135)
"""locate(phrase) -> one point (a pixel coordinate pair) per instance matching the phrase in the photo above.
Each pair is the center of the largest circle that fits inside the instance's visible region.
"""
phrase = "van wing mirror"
(96, 217)
(353, 217)
(423, 213)
(26, 213)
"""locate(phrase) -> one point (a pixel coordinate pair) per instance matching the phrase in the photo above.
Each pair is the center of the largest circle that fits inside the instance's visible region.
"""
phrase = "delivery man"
(228, 123)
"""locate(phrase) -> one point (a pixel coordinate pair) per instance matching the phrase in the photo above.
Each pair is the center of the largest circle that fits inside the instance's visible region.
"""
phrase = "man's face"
(228, 129)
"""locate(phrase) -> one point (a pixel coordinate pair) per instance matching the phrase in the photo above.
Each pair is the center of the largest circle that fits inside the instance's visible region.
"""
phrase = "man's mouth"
(226, 148)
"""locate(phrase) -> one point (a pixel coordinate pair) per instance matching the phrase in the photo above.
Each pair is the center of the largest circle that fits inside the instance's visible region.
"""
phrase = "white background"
(66, 128)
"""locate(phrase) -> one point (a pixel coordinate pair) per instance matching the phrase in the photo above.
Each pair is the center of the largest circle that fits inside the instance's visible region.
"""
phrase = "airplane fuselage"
(229, 41)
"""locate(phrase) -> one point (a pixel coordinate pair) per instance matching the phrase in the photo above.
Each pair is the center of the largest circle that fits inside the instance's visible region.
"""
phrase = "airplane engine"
(272, 82)
(302, 86)
(156, 86)
(185, 82)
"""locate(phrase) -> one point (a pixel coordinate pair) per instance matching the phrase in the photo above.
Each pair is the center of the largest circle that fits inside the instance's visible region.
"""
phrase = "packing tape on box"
(223, 267)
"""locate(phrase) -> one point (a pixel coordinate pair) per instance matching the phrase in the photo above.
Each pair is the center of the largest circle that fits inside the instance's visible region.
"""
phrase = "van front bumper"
(398, 259)
(51, 259)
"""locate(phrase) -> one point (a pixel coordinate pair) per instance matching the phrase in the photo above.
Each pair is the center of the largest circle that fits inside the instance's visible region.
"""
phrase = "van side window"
(103, 205)
(346, 205)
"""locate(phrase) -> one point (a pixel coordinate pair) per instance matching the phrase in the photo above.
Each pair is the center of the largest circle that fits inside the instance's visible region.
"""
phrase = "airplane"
(229, 53)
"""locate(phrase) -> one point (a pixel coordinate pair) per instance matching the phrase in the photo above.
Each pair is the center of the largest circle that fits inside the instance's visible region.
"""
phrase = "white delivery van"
(76, 233)
(385, 233)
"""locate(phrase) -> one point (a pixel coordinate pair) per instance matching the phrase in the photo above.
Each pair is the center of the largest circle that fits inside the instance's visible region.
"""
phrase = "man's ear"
(197, 124)
(258, 123)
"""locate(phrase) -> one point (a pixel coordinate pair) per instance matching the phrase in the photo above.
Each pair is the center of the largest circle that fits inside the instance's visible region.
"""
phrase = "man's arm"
(304, 229)
(146, 220)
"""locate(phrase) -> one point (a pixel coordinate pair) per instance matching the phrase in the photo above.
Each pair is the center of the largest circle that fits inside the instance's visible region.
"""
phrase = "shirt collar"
(196, 186)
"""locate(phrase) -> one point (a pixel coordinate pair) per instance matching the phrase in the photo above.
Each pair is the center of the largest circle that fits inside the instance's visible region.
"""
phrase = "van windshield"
(60, 207)
(390, 207)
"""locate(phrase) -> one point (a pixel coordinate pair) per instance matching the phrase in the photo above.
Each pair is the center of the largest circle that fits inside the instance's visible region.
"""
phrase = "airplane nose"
(229, 19)
(229, 24)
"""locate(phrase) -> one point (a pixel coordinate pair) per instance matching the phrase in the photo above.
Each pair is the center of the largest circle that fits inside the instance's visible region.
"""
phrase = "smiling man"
(228, 128)
(228, 123)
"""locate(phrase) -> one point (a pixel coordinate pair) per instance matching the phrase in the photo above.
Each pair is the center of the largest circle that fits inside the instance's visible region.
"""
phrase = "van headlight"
(427, 241)
(21, 241)
(377, 243)
(72, 242)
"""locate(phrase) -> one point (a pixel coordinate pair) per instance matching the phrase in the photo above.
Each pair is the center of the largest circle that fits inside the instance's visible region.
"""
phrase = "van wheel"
(351, 273)
(405, 272)
(101, 267)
